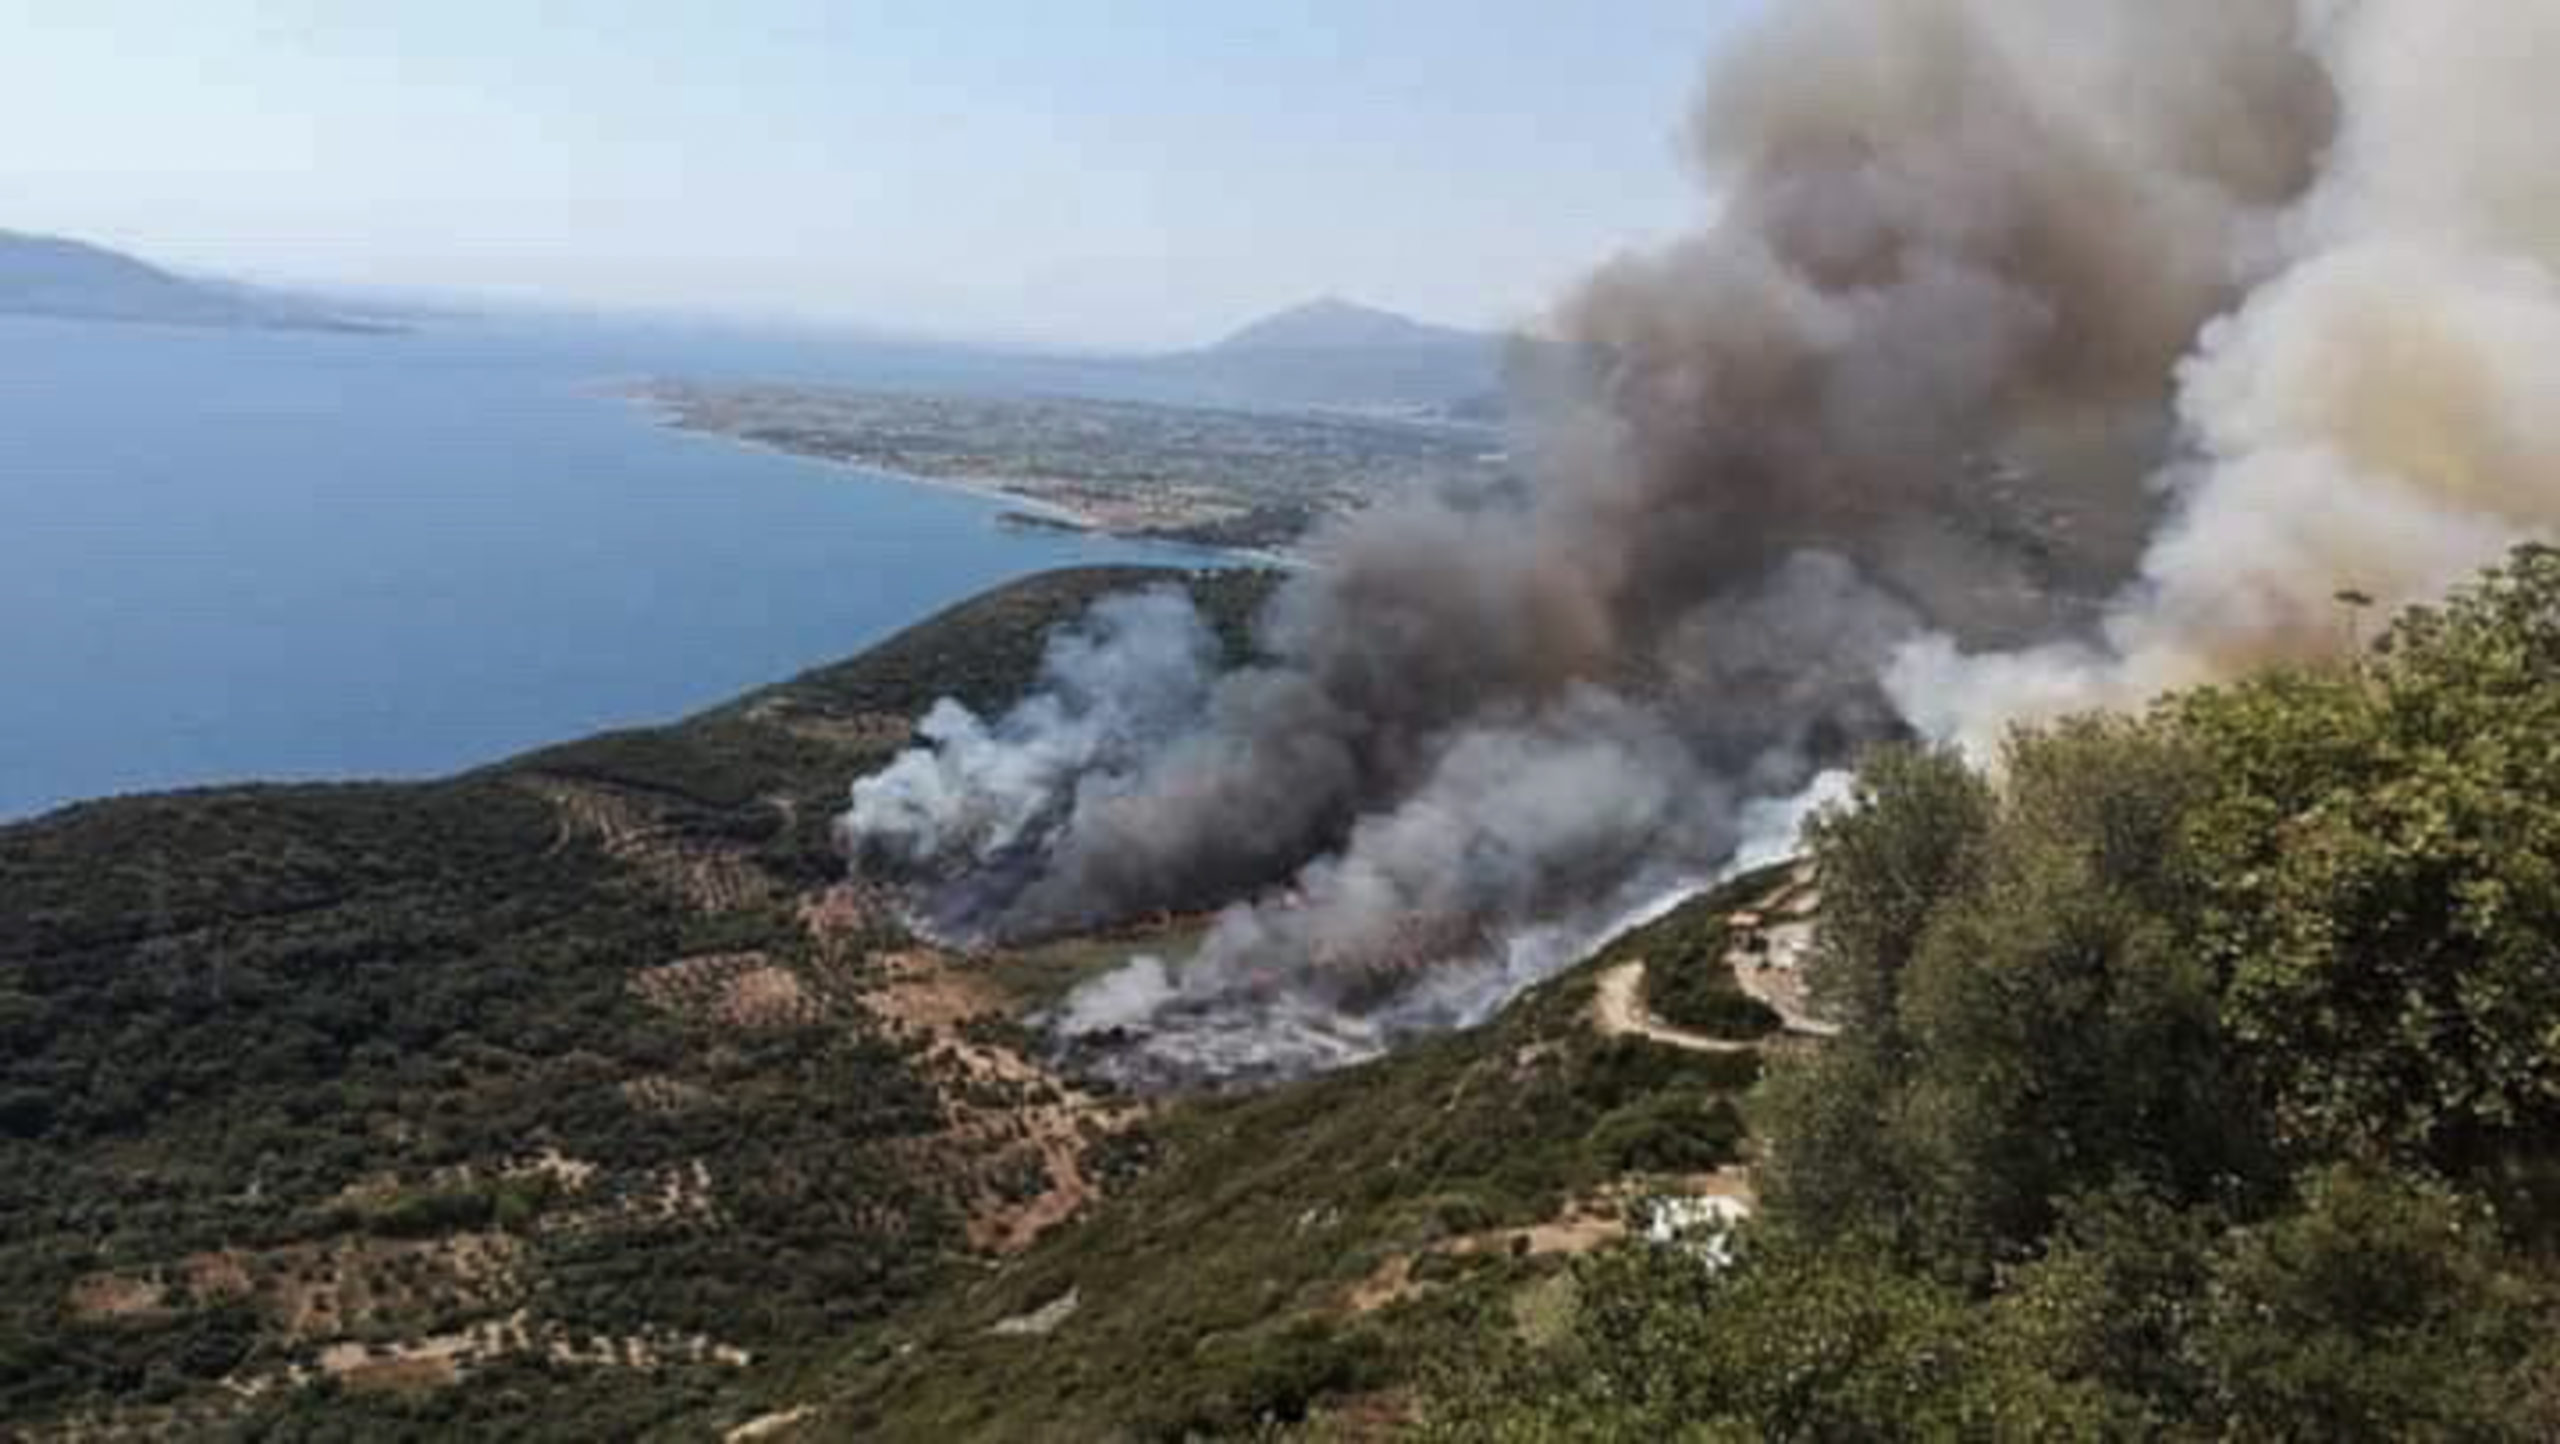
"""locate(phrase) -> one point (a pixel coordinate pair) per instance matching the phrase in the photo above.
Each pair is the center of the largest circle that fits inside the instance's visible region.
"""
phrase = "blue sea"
(230, 555)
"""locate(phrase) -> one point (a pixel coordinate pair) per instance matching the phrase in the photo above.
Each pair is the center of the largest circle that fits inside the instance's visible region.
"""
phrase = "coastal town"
(1243, 480)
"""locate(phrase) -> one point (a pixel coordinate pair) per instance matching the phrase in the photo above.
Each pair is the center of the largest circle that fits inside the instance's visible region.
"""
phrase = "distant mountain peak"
(66, 279)
(1331, 323)
(26, 256)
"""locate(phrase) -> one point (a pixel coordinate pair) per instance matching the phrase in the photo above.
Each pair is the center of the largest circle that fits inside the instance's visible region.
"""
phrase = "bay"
(230, 555)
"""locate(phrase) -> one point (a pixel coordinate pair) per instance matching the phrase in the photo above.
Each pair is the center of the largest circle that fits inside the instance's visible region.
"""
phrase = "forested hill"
(2200, 1079)
(575, 1078)
(2197, 1077)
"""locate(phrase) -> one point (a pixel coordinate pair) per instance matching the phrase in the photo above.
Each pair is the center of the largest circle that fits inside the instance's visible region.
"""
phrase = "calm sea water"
(231, 555)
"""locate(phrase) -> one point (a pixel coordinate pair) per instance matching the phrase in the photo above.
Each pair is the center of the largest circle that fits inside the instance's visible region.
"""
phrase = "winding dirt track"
(1770, 944)
(1775, 976)
(1619, 1011)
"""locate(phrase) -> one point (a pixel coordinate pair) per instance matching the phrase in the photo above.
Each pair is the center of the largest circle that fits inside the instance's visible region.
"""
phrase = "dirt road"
(1619, 1011)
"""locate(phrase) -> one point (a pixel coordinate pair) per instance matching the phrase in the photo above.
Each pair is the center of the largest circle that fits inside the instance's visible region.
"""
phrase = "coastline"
(1019, 508)
(588, 570)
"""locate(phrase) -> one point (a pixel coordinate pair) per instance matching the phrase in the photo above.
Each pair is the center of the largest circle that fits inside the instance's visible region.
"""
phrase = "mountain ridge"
(63, 278)
(1334, 354)
(1333, 323)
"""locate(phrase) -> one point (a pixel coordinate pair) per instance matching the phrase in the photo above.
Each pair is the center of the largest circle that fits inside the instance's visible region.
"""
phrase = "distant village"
(1244, 480)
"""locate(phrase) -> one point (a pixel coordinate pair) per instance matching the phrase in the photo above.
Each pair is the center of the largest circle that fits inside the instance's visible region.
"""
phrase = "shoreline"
(1028, 511)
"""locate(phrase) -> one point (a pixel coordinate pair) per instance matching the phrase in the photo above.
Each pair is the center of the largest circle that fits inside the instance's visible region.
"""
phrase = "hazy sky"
(1113, 171)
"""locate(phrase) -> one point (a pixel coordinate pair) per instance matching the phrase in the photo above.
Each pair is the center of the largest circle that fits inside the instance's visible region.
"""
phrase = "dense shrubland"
(2201, 1077)
(1220, 1295)
(312, 1028)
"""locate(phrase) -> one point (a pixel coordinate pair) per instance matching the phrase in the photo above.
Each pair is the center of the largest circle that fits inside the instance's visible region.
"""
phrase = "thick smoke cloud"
(2034, 355)
(1110, 690)
(2381, 415)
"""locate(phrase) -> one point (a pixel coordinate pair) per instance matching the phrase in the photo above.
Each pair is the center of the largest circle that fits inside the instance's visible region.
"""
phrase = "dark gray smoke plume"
(1912, 379)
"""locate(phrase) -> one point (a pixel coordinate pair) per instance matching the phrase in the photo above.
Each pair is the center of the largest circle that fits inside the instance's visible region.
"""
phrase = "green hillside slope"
(553, 1078)
(1311, 1250)
(2192, 1076)
(2200, 1078)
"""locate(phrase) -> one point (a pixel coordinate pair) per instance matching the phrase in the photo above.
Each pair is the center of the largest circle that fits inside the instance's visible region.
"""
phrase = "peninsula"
(1246, 480)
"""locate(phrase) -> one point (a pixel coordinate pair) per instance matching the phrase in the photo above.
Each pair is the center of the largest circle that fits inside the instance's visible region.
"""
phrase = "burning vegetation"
(2030, 359)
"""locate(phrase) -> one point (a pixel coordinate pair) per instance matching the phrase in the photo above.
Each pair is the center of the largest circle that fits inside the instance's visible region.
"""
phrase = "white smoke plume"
(2035, 356)
(1773, 828)
(1131, 674)
(1431, 912)
(2381, 416)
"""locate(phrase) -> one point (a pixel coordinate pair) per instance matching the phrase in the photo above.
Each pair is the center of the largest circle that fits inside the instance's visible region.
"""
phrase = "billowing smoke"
(1934, 422)
(2381, 417)
(1111, 689)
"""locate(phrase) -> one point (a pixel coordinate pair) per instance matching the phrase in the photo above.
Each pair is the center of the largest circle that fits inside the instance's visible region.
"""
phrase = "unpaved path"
(1591, 1222)
(1620, 1012)
(766, 1426)
(1770, 948)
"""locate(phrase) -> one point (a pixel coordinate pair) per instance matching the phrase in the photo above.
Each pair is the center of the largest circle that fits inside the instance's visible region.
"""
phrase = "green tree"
(2059, 1027)
(1792, 1342)
(2382, 1308)
(2113, 1298)
(2384, 846)
(1909, 837)
(2030, 1018)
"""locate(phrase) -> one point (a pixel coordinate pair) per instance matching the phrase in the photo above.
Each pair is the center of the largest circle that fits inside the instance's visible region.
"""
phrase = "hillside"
(575, 1079)
(1311, 1253)
(2192, 1076)
(2192, 1079)
(73, 280)
(2196, 1079)
(578, 1094)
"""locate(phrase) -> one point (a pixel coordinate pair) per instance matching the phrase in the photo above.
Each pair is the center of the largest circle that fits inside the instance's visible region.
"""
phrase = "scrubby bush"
(2201, 1077)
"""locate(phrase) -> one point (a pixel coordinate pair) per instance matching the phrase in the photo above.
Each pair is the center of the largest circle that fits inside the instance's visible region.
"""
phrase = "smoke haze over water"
(1934, 424)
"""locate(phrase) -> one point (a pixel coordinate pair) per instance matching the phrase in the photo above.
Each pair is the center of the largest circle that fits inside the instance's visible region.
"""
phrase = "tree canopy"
(2197, 1078)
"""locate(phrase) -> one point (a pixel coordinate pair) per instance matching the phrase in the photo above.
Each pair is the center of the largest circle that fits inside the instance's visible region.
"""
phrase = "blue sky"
(1131, 173)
